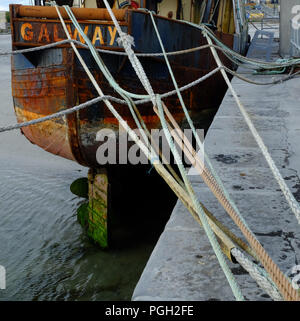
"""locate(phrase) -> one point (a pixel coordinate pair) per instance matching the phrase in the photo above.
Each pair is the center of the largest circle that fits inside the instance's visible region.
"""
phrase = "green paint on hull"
(92, 215)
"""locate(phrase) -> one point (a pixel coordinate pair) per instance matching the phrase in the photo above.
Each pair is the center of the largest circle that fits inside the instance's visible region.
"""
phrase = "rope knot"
(126, 40)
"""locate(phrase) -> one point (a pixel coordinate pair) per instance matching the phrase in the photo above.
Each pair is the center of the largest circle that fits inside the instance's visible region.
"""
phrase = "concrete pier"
(183, 265)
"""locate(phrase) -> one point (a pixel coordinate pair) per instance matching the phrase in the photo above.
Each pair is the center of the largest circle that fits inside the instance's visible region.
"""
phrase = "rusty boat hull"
(47, 81)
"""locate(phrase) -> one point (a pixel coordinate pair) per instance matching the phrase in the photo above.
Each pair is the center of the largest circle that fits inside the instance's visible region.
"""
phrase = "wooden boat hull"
(47, 81)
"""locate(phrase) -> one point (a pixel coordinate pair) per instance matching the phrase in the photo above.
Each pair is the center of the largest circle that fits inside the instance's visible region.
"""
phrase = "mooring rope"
(98, 99)
(149, 154)
(173, 53)
(58, 114)
(157, 100)
(214, 178)
(211, 236)
(251, 236)
(246, 60)
(286, 191)
(211, 180)
(143, 148)
(221, 46)
(278, 277)
(289, 293)
(230, 210)
(250, 81)
(259, 275)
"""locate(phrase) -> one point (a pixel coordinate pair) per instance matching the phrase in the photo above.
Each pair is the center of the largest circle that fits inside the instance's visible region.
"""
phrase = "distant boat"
(47, 81)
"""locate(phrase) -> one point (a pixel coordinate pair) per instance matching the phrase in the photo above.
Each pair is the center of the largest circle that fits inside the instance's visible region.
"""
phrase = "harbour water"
(46, 254)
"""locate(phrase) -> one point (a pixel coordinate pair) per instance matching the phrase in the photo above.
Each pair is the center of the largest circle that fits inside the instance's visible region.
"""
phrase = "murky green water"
(44, 250)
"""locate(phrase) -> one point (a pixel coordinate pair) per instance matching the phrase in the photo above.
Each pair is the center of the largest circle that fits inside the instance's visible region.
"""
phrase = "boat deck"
(183, 265)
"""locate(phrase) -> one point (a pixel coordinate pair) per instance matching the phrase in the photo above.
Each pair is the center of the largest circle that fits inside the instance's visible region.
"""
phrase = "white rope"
(285, 190)
(173, 53)
(98, 99)
(255, 272)
(55, 115)
(216, 180)
(117, 53)
(48, 46)
(123, 123)
(127, 41)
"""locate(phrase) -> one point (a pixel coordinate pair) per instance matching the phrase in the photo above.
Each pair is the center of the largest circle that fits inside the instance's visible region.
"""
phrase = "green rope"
(242, 59)
(270, 72)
